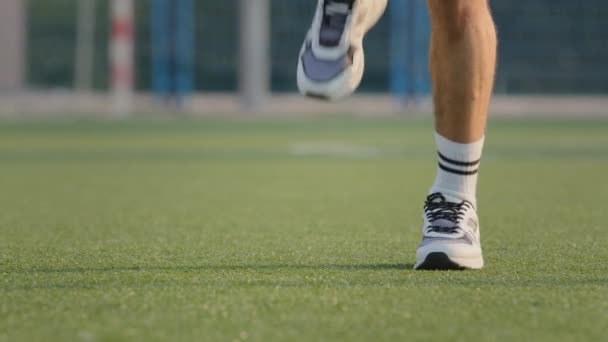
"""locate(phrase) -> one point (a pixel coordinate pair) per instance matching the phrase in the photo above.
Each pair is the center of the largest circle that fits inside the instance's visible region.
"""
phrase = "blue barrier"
(409, 49)
(172, 34)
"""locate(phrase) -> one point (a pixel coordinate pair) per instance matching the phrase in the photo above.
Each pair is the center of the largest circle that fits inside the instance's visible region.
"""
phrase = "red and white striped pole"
(121, 56)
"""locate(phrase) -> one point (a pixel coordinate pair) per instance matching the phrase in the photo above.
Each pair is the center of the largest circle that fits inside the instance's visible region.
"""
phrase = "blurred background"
(127, 57)
(161, 179)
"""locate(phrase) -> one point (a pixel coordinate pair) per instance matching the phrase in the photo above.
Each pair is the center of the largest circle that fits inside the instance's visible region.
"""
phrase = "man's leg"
(463, 59)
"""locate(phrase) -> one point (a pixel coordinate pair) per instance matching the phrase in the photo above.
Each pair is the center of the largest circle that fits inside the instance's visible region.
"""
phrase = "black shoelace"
(335, 15)
(438, 209)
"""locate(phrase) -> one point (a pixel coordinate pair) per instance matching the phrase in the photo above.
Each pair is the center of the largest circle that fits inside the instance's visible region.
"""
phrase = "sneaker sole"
(438, 261)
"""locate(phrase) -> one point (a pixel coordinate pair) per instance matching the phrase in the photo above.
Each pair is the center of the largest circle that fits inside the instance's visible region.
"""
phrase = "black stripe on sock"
(458, 172)
(458, 163)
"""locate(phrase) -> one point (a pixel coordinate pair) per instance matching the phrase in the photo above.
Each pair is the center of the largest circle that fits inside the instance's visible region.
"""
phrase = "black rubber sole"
(438, 261)
(318, 97)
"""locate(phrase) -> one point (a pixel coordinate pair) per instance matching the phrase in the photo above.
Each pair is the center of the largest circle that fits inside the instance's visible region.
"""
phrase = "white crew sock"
(458, 168)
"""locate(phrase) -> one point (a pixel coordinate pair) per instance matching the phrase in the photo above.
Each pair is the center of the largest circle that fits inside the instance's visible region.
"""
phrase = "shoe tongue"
(443, 222)
(348, 3)
(331, 35)
(334, 22)
(452, 199)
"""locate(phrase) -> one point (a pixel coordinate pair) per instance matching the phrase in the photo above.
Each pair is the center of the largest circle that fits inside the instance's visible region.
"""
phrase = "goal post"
(254, 71)
(85, 45)
(122, 56)
(13, 37)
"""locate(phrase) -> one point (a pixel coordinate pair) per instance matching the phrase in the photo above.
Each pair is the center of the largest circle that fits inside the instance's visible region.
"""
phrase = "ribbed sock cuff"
(458, 166)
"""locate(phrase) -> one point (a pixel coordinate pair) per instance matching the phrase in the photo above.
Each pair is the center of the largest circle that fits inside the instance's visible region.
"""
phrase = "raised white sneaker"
(450, 235)
(332, 61)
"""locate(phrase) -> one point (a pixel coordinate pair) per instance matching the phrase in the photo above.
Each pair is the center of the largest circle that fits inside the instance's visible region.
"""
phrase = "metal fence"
(546, 46)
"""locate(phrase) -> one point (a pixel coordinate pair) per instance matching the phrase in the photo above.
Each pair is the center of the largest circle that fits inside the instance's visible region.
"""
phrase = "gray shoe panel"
(466, 239)
(318, 70)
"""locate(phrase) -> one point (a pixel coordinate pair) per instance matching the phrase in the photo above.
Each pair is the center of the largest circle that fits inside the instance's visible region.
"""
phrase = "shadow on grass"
(381, 275)
(252, 275)
(247, 267)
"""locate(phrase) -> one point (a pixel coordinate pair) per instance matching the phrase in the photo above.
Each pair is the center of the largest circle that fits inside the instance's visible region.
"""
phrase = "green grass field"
(293, 231)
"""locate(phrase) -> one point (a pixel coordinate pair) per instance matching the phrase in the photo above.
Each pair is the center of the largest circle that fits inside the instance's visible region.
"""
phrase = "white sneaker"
(450, 235)
(332, 61)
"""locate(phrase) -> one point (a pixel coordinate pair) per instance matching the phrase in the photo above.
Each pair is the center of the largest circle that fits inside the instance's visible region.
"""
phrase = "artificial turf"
(300, 230)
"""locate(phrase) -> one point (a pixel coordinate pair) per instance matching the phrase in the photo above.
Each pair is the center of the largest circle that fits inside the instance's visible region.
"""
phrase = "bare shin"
(463, 62)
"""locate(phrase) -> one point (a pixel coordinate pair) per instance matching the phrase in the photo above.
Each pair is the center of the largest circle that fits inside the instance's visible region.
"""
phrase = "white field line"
(335, 149)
